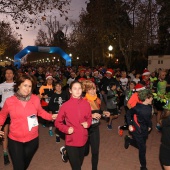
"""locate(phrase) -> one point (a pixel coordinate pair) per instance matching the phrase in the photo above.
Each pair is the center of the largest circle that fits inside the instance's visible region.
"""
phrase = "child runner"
(74, 117)
(137, 78)
(128, 94)
(56, 100)
(93, 132)
(139, 121)
(112, 104)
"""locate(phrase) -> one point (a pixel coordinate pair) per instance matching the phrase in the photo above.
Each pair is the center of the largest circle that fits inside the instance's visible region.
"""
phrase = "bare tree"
(33, 11)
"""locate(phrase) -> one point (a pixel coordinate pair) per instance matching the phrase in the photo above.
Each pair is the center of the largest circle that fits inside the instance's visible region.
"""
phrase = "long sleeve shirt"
(140, 117)
(19, 127)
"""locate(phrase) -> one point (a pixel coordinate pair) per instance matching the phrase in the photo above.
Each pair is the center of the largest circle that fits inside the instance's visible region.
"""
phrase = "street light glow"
(110, 48)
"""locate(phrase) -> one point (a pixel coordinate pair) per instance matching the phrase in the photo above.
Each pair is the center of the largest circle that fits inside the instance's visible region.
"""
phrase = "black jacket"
(105, 82)
(140, 118)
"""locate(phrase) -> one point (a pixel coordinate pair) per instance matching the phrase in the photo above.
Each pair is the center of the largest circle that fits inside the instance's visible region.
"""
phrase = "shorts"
(164, 155)
(159, 105)
(113, 111)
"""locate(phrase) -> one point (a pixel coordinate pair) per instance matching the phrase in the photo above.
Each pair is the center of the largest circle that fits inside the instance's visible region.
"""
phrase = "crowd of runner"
(104, 92)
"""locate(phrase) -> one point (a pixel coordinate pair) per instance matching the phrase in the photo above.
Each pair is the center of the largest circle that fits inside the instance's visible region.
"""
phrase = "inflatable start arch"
(51, 50)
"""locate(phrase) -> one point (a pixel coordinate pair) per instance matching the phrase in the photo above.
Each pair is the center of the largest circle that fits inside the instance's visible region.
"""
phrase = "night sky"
(30, 35)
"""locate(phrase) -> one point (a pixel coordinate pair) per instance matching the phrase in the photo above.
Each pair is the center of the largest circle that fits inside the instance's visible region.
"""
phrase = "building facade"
(159, 61)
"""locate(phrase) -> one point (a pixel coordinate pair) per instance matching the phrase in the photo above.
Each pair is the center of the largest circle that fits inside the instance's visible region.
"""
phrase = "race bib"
(108, 88)
(32, 121)
(47, 100)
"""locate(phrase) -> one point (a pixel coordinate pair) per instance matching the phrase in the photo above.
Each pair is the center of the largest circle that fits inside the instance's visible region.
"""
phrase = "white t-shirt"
(124, 82)
(136, 80)
(131, 76)
(6, 90)
(70, 80)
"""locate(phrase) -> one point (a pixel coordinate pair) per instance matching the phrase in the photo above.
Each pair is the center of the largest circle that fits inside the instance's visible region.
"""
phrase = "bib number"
(32, 121)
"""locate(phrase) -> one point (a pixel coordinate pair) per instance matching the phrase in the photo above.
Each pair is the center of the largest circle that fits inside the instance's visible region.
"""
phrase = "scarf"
(93, 101)
(92, 98)
(21, 97)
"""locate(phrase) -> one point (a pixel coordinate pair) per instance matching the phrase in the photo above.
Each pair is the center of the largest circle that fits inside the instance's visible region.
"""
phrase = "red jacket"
(74, 112)
(19, 130)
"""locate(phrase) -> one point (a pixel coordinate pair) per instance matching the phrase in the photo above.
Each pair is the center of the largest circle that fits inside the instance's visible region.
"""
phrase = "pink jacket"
(19, 130)
(74, 112)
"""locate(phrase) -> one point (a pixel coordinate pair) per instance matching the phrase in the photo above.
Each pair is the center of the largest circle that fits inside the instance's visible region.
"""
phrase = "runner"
(76, 114)
(23, 108)
(57, 99)
(6, 90)
(139, 121)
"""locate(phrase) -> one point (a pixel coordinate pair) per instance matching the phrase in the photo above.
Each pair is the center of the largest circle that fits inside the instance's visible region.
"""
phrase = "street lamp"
(70, 55)
(110, 48)
(77, 61)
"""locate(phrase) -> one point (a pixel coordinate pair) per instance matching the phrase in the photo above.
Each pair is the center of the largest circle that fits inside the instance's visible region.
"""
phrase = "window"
(161, 61)
(158, 61)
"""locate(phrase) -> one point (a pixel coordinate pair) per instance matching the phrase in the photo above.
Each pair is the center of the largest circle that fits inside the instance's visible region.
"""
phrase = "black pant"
(94, 142)
(43, 121)
(76, 156)
(125, 126)
(139, 142)
(22, 153)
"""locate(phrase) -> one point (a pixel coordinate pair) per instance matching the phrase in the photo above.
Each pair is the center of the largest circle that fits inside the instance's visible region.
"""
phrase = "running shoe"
(63, 154)
(57, 139)
(127, 142)
(6, 160)
(120, 131)
(158, 128)
(109, 127)
(51, 133)
(43, 126)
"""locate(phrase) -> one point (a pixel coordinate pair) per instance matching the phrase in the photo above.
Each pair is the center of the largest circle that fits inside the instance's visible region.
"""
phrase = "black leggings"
(139, 142)
(22, 153)
(93, 142)
(76, 156)
(94, 138)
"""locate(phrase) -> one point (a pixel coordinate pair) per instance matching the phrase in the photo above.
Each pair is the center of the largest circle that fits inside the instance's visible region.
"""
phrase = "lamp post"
(77, 61)
(110, 48)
